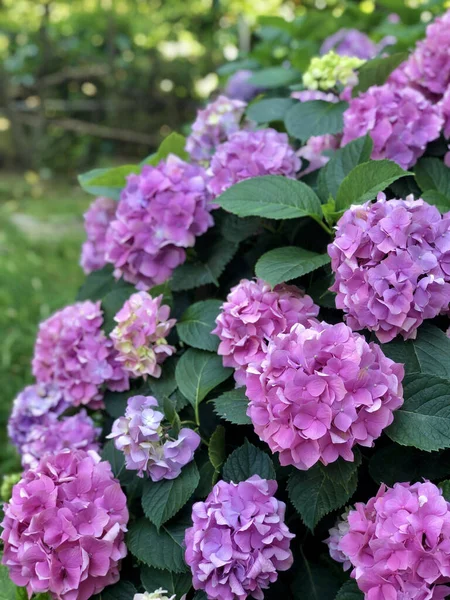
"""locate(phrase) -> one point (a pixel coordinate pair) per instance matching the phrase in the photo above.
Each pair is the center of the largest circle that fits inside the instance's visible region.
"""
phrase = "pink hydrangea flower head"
(147, 447)
(249, 154)
(239, 88)
(429, 64)
(239, 540)
(252, 315)
(139, 336)
(73, 353)
(160, 213)
(63, 530)
(321, 390)
(96, 223)
(53, 435)
(32, 407)
(391, 266)
(398, 543)
(401, 122)
(350, 42)
(213, 126)
(337, 532)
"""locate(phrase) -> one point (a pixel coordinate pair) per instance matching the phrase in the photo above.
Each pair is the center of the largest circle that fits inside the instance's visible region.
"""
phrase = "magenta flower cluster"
(252, 154)
(139, 336)
(64, 527)
(147, 447)
(391, 261)
(73, 354)
(321, 390)
(96, 223)
(161, 212)
(252, 315)
(239, 540)
(77, 432)
(213, 126)
(401, 122)
(32, 407)
(398, 543)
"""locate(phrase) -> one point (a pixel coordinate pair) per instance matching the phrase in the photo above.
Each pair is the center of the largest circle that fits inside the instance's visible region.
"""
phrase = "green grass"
(40, 237)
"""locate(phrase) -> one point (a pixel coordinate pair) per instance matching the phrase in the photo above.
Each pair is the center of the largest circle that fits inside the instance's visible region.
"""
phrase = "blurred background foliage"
(87, 83)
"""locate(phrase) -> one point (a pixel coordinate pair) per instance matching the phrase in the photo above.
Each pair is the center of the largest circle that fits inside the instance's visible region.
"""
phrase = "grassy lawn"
(40, 236)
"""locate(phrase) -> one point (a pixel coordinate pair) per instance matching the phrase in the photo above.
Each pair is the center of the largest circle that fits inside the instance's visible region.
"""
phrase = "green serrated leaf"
(198, 372)
(437, 199)
(245, 461)
(341, 163)
(216, 449)
(236, 230)
(174, 143)
(161, 500)
(314, 582)
(107, 182)
(377, 71)
(366, 180)
(161, 550)
(166, 384)
(350, 591)
(283, 264)
(271, 196)
(117, 461)
(122, 590)
(273, 77)
(269, 109)
(97, 285)
(433, 174)
(195, 274)
(174, 583)
(232, 406)
(316, 117)
(195, 326)
(424, 419)
(314, 495)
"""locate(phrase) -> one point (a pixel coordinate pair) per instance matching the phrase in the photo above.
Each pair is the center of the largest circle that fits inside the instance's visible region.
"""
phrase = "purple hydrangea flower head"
(139, 336)
(73, 353)
(429, 65)
(391, 265)
(320, 391)
(96, 223)
(147, 447)
(53, 435)
(398, 543)
(239, 540)
(160, 213)
(239, 88)
(337, 532)
(213, 126)
(32, 407)
(251, 154)
(63, 530)
(253, 314)
(401, 122)
(350, 42)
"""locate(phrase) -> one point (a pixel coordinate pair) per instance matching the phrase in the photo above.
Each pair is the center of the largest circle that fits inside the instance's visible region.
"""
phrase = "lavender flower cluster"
(63, 530)
(391, 261)
(148, 449)
(397, 543)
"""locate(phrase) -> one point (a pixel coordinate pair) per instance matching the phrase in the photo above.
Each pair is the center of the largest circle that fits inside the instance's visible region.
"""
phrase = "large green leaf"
(166, 384)
(284, 264)
(122, 590)
(269, 109)
(340, 164)
(273, 77)
(107, 182)
(174, 143)
(366, 180)
(195, 274)
(162, 550)
(377, 70)
(314, 582)
(315, 493)
(424, 419)
(245, 461)
(174, 583)
(350, 591)
(198, 372)
(216, 448)
(271, 196)
(161, 500)
(232, 406)
(7, 587)
(195, 326)
(98, 284)
(437, 199)
(433, 174)
(316, 117)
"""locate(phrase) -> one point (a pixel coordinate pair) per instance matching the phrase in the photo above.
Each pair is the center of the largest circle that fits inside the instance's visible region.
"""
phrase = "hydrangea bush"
(249, 398)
